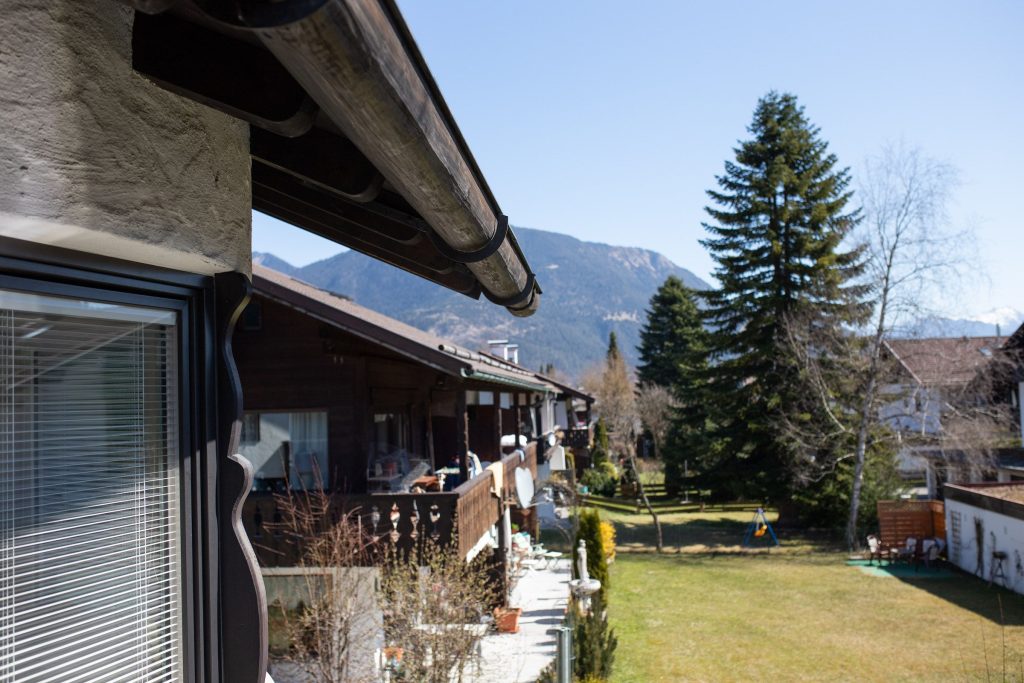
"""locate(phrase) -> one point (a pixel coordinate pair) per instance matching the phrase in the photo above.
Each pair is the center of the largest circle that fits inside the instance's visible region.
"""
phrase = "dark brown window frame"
(224, 629)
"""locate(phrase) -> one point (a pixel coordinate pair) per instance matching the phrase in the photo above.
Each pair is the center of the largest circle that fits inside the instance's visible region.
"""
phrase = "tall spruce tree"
(778, 223)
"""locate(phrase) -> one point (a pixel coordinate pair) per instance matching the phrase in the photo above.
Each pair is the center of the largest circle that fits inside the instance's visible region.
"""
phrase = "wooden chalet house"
(381, 414)
(138, 136)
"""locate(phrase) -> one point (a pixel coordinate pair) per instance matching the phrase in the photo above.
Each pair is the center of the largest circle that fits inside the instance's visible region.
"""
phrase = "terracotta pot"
(506, 619)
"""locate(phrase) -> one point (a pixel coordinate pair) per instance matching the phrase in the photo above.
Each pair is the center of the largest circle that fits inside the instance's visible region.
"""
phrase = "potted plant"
(506, 619)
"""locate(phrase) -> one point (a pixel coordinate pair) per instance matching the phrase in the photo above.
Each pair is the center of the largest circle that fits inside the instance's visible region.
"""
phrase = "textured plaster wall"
(93, 157)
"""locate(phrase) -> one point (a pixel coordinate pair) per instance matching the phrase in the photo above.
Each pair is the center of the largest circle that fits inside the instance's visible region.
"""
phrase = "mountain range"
(590, 289)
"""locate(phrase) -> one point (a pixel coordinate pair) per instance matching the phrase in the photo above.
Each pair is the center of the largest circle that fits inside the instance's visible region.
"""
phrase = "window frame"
(203, 435)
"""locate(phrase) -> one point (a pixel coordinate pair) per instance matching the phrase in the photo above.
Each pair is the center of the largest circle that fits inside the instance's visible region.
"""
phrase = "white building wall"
(95, 158)
(999, 532)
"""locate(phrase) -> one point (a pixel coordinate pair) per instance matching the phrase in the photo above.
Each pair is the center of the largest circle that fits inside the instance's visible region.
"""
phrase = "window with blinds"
(89, 502)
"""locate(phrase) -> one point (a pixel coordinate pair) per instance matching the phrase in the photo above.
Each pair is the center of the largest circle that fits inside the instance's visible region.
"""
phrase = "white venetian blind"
(89, 549)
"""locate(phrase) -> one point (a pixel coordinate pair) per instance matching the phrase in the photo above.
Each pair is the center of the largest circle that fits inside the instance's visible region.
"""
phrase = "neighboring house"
(952, 422)
(346, 399)
(137, 138)
(1009, 385)
(383, 417)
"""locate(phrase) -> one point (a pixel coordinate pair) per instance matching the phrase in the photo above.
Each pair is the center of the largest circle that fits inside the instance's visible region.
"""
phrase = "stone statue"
(581, 563)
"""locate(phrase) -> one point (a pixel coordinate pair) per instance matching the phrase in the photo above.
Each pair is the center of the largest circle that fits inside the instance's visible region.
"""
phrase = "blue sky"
(609, 120)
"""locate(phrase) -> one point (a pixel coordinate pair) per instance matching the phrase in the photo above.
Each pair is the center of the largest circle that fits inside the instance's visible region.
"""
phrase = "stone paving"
(519, 657)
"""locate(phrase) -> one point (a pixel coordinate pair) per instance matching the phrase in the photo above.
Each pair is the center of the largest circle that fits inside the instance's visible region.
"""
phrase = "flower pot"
(506, 619)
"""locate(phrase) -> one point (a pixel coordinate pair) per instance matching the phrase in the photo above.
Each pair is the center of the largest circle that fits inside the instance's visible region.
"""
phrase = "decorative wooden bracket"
(243, 600)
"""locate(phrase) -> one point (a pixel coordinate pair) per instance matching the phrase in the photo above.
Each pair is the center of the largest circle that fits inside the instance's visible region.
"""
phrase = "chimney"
(501, 348)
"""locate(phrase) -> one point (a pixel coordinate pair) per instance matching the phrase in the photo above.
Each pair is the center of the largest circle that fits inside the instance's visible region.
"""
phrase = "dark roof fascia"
(975, 495)
(354, 325)
(205, 50)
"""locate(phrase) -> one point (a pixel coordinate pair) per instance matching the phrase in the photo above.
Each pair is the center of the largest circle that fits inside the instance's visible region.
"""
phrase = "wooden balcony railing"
(477, 510)
(512, 462)
(576, 438)
(399, 519)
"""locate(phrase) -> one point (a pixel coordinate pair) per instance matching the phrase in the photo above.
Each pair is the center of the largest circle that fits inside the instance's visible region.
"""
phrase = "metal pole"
(686, 481)
(564, 658)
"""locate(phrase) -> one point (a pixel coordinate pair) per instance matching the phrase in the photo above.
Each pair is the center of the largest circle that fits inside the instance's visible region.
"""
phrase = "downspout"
(356, 59)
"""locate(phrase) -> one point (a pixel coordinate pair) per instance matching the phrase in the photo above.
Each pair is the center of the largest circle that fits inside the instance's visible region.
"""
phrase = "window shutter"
(90, 561)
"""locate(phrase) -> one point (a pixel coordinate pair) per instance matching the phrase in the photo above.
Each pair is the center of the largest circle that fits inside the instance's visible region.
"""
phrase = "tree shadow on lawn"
(994, 603)
(710, 534)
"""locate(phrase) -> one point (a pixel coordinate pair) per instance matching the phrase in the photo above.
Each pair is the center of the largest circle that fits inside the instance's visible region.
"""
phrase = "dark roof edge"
(393, 341)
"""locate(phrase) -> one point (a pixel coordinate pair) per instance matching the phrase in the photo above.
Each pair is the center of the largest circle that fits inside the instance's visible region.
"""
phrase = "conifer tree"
(673, 353)
(672, 338)
(613, 346)
(776, 234)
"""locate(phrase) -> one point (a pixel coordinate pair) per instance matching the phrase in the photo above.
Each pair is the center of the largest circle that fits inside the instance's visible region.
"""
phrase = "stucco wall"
(1008, 537)
(94, 157)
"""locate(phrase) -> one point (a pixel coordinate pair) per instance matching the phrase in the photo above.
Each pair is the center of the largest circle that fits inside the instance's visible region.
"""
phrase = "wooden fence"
(898, 520)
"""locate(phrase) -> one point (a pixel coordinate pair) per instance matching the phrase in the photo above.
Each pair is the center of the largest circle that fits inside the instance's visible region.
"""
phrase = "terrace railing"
(396, 519)
(399, 519)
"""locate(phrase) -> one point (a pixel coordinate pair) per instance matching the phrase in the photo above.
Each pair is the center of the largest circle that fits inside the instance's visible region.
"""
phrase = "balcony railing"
(399, 519)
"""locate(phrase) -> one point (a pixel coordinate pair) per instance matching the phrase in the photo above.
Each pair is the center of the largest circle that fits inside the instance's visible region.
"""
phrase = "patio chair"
(930, 549)
(875, 549)
(908, 553)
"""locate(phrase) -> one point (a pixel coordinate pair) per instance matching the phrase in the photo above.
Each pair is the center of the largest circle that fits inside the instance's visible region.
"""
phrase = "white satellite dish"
(524, 487)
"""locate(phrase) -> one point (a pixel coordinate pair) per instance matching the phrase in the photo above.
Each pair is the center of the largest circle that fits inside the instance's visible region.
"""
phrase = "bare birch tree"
(911, 251)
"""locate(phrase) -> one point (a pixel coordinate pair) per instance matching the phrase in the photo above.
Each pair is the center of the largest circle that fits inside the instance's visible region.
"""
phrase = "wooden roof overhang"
(391, 334)
(350, 136)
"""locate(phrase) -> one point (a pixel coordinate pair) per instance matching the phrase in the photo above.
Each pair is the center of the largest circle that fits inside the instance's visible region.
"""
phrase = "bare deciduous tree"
(334, 621)
(911, 251)
(433, 607)
(655, 405)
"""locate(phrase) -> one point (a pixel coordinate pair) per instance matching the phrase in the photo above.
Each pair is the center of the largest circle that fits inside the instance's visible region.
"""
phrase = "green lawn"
(710, 611)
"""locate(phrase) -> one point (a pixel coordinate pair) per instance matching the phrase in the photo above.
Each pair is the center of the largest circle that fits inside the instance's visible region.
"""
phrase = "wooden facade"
(368, 383)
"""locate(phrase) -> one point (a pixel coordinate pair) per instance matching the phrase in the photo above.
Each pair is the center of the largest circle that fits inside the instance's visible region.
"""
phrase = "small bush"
(608, 541)
(593, 644)
(601, 480)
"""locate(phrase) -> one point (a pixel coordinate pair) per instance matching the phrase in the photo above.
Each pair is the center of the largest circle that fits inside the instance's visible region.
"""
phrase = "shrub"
(593, 644)
(601, 480)
(608, 540)
(590, 531)
(599, 454)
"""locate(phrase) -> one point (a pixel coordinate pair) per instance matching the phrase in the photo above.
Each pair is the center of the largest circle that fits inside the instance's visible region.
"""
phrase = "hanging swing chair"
(760, 527)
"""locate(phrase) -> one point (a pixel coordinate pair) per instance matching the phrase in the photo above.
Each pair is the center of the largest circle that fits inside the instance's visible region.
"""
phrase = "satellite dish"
(524, 487)
(552, 440)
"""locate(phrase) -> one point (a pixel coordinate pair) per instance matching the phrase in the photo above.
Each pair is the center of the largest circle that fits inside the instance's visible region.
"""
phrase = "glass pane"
(89, 510)
(286, 449)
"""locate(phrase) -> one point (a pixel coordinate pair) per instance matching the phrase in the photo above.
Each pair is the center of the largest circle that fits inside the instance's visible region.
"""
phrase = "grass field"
(709, 610)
